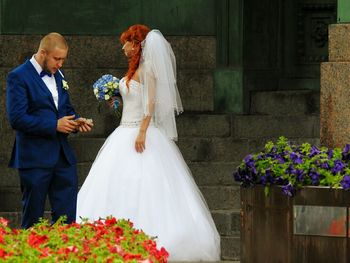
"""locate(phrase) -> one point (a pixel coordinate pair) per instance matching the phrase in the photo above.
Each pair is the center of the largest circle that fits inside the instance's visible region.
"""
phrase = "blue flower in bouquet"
(106, 87)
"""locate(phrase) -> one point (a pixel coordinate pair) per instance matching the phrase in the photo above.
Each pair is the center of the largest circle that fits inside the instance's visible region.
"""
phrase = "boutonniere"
(65, 84)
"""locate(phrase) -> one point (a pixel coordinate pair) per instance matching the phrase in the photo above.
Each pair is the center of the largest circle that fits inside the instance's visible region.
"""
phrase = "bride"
(139, 172)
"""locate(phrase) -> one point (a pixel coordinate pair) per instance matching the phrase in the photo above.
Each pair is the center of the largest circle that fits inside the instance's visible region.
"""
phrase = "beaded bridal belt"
(133, 123)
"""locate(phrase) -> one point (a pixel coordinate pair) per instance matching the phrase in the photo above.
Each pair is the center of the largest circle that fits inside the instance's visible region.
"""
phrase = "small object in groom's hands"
(86, 121)
(89, 122)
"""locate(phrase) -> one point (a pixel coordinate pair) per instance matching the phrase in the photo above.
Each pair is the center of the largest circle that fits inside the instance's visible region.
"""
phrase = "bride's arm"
(141, 137)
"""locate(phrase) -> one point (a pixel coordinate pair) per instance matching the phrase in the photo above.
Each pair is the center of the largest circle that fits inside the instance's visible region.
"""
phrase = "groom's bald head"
(52, 41)
(52, 52)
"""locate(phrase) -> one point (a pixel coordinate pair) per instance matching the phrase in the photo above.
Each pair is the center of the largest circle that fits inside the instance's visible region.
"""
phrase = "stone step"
(262, 126)
(284, 103)
(205, 174)
(227, 222)
(230, 248)
(196, 151)
(217, 197)
(9, 177)
(203, 125)
(299, 84)
(86, 148)
(213, 149)
(213, 173)
(221, 197)
(6, 144)
(85, 51)
(193, 149)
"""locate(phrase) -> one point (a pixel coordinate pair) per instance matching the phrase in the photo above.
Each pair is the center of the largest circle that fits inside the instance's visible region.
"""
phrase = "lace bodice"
(132, 103)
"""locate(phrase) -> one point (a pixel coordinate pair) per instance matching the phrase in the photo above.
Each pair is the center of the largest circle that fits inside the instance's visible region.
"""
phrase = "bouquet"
(107, 87)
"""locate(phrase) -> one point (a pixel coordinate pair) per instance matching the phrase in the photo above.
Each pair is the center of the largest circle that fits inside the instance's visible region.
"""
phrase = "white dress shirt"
(49, 81)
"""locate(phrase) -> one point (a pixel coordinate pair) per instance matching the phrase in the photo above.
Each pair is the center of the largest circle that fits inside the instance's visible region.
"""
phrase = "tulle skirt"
(155, 190)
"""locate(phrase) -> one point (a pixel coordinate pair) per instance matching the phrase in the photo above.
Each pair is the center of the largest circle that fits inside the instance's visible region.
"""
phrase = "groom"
(40, 112)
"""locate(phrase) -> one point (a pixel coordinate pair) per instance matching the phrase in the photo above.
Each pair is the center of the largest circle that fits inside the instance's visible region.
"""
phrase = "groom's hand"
(66, 124)
(84, 125)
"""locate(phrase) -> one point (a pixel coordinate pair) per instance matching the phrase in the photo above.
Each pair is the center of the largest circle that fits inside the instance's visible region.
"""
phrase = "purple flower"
(280, 159)
(299, 175)
(290, 170)
(249, 161)
(346, 153)
(325, 165)
(345, 183)
(295, 158)
(279, 180)
(330, 153)
(315, 177)
(264, 180)
(288, 190)
(237, 176)
(245, 176)
(267, 178)
(338, 166)
(314, 151)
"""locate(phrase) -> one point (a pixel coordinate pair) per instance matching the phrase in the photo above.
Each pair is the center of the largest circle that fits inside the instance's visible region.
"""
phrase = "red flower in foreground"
(3, 253)
(67, 250)
(3, 221)
(36, 240)
(109, 239)
(45, 252)
(110, 221)
(64, 238)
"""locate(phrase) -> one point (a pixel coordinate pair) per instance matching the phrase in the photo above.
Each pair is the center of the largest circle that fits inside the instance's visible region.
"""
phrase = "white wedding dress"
(154, 189)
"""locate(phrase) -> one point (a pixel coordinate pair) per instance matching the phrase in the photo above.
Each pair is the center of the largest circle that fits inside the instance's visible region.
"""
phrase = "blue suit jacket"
(33, 114)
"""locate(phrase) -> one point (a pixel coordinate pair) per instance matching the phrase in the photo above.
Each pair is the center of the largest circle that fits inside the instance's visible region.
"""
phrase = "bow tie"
(45, 73)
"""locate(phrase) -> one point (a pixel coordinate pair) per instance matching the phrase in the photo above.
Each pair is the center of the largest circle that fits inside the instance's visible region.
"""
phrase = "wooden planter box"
(310, 227)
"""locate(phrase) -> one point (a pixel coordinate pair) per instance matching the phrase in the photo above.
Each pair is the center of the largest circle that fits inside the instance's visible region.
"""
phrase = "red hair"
(135, 34)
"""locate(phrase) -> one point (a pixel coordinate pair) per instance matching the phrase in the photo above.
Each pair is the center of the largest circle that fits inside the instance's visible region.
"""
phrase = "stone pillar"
(335, 89)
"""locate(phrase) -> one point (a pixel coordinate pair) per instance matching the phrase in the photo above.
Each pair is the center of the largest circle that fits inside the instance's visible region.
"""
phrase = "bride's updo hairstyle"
(135, 34)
